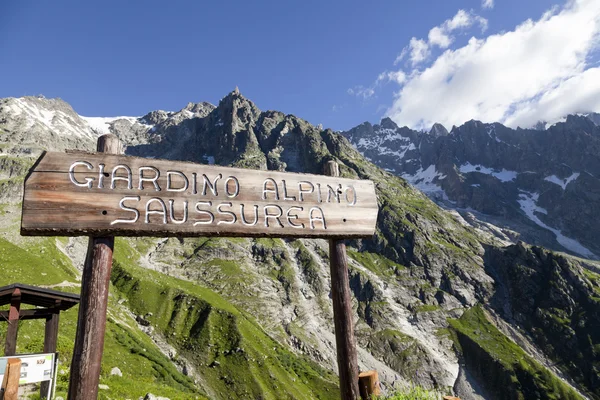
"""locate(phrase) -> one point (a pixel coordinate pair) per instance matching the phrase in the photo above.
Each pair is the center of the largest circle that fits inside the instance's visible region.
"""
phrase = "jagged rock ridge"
(543, 184)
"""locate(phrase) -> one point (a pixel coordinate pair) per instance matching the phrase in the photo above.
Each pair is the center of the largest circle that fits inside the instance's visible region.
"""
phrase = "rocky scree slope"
(412, 283)
(543, 183)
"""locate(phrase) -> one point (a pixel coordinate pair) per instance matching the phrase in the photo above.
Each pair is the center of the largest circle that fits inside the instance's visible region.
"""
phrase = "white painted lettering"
(152, 179)
(302, 191)
(130, 209)
(162, 211)
(204, 212)
(320, 217)
(115, 177)
(285, 193)
(267, 190)
(348, 189)
(184, 178)
(172, 212)
(210, 185)
(194, 183)
(335, 192)
(232, 180)
(243, 216)
(101, 176)
(88, 181)
(279, 213)
(291, 216)
(224, 212)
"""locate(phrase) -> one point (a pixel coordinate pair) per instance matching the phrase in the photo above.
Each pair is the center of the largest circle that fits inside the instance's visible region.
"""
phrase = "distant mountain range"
(541, 184)
(445, 297)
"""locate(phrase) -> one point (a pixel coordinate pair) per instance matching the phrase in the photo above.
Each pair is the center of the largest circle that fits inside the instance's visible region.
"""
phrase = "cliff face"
(253, 316)
(556, 300)
(543, 184)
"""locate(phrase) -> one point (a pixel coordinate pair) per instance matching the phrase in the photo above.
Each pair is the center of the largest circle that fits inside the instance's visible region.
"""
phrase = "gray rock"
(116, 371)
(150, 396)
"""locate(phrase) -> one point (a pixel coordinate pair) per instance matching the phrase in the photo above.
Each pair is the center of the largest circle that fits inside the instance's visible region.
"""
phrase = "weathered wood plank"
(342, 312)
(12, 376)
(100, 194)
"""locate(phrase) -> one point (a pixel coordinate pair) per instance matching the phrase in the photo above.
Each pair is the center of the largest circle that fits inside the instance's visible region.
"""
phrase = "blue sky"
(319, 60)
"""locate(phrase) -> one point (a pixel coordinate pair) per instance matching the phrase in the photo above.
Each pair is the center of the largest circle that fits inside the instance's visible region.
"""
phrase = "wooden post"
(50, 340)
(10, 346)
(368, 384)
(342, 311)
(11, 379)
(91, 323)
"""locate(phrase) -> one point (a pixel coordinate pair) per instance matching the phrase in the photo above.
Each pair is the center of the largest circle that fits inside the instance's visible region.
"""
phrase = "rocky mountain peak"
(200, 109)
(579, 122)
(438, 130)
(388, 123)
(594, 117)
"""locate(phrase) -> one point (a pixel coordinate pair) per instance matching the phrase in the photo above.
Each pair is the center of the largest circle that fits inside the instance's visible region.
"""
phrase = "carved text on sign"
(164, 210)
(128, 193)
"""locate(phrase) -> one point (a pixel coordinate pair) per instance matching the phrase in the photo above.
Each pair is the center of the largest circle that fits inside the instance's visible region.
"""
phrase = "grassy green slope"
(126, 347)
(506, 369)
(229, 349)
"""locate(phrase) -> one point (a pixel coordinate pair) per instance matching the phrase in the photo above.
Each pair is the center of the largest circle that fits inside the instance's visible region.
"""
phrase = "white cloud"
(537, 71)
(391, 76)
(441, 35)
(361, 91)
(580, 93)
(462, 19)
(438, 37)
(487, 4)
(419, 50)
(483, 23)
(401, 56)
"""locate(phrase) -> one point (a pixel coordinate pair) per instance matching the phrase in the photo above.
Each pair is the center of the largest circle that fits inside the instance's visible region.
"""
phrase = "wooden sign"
(69, 194)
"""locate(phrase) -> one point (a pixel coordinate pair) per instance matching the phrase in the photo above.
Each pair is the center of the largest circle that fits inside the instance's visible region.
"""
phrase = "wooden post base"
(368, 384)
(12, 375)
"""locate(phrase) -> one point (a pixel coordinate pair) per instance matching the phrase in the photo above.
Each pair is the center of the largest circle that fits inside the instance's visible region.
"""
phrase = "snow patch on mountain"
(504, 175)
(34, 112)
(528, 203)
(398, 153)
(562, 182)
(385, 136)
(426, 180)
(102, 124)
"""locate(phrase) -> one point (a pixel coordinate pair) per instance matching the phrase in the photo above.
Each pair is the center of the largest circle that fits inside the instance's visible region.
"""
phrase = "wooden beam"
(33, 313)
(74, 194)
(50, 341)
(91, 323)
(10, 346)
(11, 381)
(342, 312)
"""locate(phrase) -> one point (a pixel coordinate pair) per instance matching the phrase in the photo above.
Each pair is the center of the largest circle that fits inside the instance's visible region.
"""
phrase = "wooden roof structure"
(40, 297)
(49, 303)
